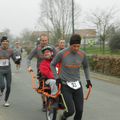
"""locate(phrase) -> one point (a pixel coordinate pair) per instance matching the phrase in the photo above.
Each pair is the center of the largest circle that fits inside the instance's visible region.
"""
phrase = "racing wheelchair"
(53, 102)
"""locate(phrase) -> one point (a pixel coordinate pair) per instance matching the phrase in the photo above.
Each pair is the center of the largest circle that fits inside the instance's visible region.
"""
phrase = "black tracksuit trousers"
(73, 100)
(5, 76)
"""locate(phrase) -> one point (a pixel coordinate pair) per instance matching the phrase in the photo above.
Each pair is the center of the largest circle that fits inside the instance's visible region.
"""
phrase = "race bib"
(4, 62)
(17, 57)
(75, 85)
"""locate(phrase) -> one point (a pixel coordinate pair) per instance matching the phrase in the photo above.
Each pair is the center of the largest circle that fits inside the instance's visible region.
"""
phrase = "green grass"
(97, 50)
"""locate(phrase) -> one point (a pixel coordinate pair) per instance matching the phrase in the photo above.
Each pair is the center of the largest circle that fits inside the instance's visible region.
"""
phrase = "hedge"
(109, 65)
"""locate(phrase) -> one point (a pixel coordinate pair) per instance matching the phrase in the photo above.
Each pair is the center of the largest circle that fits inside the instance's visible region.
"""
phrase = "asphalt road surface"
(103, 103)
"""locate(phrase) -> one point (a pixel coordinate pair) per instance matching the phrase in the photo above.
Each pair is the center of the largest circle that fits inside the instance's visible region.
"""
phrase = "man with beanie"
(37, 53)
(71, 59)
(5, 68)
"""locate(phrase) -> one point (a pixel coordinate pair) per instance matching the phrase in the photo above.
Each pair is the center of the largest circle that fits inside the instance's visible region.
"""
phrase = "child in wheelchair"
(47, 76)
(45, 70)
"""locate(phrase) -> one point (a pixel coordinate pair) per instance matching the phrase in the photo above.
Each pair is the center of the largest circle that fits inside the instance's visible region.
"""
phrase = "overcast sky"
(19, 14)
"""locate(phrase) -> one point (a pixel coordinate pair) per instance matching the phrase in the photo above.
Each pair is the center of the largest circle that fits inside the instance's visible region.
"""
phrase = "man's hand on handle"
(88, 83)
(58, 81)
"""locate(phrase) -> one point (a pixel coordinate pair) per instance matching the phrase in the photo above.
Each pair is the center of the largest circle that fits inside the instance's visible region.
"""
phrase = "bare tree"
(102, 20)
(28, 39)
(56, 16)
(7, 32)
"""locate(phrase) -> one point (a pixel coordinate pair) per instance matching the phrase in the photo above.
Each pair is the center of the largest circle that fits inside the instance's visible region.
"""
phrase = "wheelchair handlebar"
(88, 93)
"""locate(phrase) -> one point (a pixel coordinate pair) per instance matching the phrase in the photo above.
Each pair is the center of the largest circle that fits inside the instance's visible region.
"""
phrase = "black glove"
(58, 81)
(88, 83)
(16, 62)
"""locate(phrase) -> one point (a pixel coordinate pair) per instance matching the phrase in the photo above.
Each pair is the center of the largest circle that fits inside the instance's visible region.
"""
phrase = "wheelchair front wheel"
(51, 114)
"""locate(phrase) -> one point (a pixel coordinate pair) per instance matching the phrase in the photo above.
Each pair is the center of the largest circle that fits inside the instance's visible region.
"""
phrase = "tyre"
(51, 113)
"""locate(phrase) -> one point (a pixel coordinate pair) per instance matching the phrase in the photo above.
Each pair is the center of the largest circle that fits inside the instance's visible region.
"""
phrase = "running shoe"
(6, 104)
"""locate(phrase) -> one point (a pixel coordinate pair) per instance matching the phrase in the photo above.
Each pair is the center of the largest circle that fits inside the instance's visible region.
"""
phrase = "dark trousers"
(74, 102)
(7, 77)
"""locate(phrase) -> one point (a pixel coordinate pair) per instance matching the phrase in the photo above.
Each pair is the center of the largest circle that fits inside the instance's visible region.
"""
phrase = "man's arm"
(57, 59)
(87, 71)
(86, 68)
(13, 56)
(30, 56)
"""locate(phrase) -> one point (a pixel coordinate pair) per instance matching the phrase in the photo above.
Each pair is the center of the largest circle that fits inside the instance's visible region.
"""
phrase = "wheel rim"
(50, 114)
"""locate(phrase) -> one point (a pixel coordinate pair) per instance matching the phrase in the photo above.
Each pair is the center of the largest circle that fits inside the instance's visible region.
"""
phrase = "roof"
(88, 33)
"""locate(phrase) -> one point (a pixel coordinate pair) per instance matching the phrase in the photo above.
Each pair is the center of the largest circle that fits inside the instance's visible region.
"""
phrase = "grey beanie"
(75, 39)
(4, 38)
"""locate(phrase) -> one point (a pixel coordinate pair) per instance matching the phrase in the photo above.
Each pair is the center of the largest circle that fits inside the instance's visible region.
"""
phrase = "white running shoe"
(6, 104)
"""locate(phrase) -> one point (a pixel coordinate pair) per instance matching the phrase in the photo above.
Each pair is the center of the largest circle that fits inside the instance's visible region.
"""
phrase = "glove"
(58, 81)
(39, 75)
(88, 83)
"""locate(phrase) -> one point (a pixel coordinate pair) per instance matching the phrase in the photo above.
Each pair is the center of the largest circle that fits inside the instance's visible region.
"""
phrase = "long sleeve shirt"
(18, 51)
(36, 52)
(5, 55)
(70, 65)
(45, 69)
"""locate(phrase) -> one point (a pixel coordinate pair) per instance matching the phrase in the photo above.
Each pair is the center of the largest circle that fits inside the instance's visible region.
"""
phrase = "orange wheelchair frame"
(43, 88)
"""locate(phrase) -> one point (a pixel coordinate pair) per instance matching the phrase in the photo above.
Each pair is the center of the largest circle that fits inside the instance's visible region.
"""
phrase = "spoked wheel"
(51, 114)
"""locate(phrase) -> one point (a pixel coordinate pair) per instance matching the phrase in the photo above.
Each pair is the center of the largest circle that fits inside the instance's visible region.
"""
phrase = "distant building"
(87, 35)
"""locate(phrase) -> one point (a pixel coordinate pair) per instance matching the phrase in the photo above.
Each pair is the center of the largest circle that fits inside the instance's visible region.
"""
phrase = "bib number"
(17, 57)
(74, 85)
(4, 62)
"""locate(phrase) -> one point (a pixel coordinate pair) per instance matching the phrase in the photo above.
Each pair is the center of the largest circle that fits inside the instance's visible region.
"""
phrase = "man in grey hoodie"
(70, 60)
(37, 53)
(5, 68)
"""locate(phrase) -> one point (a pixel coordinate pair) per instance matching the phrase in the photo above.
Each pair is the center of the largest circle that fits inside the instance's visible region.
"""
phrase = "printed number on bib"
(75, 85)
(4, 62)
(17, 57)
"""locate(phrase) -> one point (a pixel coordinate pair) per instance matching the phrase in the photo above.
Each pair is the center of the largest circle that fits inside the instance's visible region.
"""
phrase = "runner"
(61, 45)
(5, 68)
(36, 52)
(71, 60)
(18, 55)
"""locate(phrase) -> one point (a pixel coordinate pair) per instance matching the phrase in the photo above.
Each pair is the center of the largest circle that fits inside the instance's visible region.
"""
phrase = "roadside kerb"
(107, 78)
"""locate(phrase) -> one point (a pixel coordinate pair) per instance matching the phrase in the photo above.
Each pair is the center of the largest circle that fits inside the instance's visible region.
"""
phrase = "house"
(88, 35)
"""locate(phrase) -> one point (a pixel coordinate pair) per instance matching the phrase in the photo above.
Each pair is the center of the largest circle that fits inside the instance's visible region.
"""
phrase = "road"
(103, 103)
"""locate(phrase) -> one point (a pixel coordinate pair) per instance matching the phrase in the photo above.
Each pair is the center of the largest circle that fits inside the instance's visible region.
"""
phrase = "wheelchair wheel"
(51, 114)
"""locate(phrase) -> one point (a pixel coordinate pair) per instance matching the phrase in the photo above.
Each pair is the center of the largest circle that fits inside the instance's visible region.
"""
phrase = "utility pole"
(72, 16)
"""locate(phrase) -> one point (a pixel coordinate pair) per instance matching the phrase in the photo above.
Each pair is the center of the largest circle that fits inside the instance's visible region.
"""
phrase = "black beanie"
(75, 39)
(4, 38)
